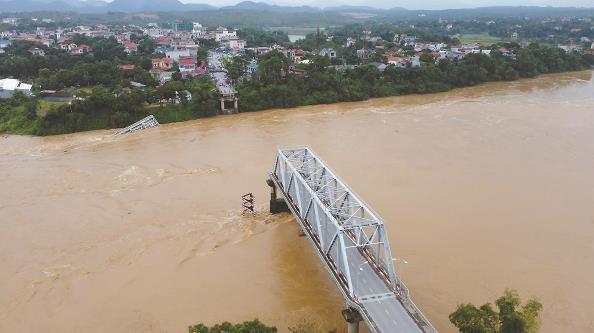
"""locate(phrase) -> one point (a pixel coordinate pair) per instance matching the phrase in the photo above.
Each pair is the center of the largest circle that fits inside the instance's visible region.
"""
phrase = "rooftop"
(14, 84)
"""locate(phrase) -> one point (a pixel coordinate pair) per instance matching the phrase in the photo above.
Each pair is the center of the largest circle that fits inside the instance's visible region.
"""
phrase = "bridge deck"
(350, 239)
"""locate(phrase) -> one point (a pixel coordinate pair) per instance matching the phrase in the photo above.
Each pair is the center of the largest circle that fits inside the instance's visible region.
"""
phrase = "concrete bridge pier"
(229, 99)
(353, 327)
(353, 318)
(276, 205)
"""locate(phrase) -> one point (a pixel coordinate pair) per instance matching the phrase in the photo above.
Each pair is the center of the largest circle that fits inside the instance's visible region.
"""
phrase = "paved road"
(215, 64)
(388, 313)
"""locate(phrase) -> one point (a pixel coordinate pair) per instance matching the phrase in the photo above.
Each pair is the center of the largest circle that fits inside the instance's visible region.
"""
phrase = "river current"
(481, 189)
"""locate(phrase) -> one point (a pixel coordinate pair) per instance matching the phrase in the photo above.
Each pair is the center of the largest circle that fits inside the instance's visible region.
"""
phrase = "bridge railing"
(338, 219)
(343, 228)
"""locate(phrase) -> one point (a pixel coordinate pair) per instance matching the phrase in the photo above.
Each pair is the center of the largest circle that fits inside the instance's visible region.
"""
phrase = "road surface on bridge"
(388, 314)
(349, 238)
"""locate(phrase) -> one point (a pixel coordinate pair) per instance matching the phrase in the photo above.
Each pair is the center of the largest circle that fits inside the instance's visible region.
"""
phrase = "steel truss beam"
(313, 186)
(338, 223)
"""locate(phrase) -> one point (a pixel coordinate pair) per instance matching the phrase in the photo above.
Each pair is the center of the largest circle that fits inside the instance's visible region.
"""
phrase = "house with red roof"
(78, 50)
(187, 63)
(130, 46)
(37, 51)
(164, 64)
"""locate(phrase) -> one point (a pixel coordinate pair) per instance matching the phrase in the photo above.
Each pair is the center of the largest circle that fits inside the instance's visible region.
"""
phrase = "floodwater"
(481, 189)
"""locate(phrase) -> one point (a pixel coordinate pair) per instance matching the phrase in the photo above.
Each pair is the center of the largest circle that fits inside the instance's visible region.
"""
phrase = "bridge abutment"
(276, 205)
(229, 99)
(353, 318)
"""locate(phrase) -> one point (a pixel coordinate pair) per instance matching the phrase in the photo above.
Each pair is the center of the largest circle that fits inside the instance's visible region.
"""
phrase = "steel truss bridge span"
(351, 241)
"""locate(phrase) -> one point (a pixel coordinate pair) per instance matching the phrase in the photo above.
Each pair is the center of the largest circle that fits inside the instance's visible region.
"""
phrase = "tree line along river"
(481, 189)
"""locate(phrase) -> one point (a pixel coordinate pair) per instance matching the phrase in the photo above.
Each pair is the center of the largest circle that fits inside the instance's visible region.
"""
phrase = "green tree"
(307, 326)
(254, 326)
(235, 67)
(510, 318)
(427, 58)
(204, 98)
(270, 66)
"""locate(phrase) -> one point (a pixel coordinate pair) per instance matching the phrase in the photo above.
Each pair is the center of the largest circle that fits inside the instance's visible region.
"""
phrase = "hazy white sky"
(413, 4)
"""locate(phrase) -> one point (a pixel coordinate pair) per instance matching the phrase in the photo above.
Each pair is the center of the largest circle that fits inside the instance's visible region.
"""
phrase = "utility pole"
(318, 39)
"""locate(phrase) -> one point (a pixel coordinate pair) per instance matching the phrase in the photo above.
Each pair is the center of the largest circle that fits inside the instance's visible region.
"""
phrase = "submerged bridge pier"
(353, 318)
(277, 205)
(350, 240)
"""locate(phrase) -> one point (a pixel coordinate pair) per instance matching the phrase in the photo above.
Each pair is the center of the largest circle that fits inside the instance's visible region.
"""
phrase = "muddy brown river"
(481, 189)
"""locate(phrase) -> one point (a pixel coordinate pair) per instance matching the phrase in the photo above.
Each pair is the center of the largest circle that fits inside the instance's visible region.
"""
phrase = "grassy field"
(479, 38)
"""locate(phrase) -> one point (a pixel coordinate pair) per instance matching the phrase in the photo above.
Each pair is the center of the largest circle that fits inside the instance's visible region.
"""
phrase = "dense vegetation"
(105, 98)
(292, 17)
(255, 326)
(103, 94)
(257, 37)
(509, 319)
(103, 108)
(269, 88)
(18, 115)
(58, 69)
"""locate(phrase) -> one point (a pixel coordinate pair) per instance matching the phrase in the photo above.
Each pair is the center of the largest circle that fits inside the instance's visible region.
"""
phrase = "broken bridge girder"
(144, 123)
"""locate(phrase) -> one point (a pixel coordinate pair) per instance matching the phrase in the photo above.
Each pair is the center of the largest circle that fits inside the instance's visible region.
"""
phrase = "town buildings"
(330, 53)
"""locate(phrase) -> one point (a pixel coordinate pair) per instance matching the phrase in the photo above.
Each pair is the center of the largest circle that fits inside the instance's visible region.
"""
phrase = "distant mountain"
(98, 6)
(199, 7)
(346, 8)
(495, 11)
(264, 7)
(134, 6)
(129, 6)
(11, 6)
(362, 9)
(88, 3)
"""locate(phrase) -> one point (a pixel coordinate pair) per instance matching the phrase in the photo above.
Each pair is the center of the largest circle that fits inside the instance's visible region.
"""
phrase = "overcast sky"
(414, 4)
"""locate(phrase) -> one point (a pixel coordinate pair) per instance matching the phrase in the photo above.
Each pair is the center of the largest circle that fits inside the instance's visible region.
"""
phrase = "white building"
(225, 34)
(197, 28)
(9, 86)
(154, 32)
(237, 44)
(4, 43)
(330, 53)
(350, 42)
(414, 61)
(10, 20)
(175, 54)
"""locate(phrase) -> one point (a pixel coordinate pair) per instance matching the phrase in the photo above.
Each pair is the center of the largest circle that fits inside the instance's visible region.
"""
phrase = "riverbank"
(487, 188)
(17, 119)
